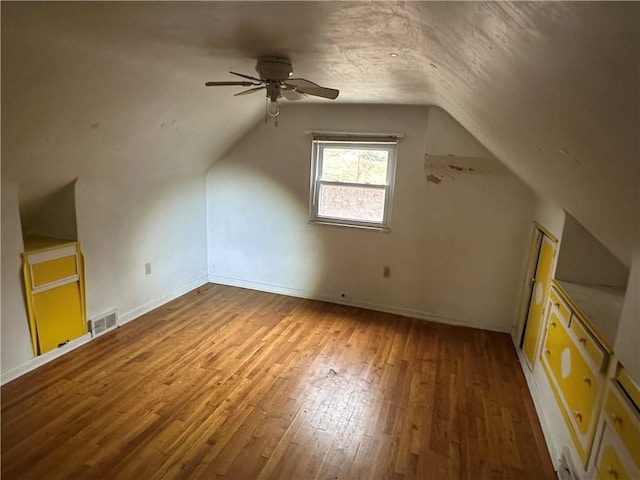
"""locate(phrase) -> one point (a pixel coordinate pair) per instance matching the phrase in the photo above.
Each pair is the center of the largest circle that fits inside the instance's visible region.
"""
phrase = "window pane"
(354, 165)
(352, 203)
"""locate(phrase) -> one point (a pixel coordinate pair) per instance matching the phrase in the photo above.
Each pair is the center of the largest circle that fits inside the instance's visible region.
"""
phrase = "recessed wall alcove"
(49, 212)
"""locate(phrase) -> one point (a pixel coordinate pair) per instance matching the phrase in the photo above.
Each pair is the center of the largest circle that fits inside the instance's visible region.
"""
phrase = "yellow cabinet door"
(575, 382)
(533, 327)
(556, 343)
(58, 315)
(581, 389)
(54, 285)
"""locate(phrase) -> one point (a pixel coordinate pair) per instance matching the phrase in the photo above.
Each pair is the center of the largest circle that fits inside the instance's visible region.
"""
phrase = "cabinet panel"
(58, 315)
(582, 390)
(610, 467)
(534, 325)
(560, 304)
(624, 423)
(590, 345)
(576, 385)
(557, 340)
(53, 270)
(55, 296)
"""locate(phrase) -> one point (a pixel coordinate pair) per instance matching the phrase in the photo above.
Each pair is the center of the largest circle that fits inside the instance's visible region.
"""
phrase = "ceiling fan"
(275, 77)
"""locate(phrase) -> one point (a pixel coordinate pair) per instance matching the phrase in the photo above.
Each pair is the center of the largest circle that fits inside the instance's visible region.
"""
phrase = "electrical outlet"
(147, 268)
(386, 271)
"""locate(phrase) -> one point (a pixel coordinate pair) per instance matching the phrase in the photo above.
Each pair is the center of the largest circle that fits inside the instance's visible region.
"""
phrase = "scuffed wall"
(72, 111)
(456, 250)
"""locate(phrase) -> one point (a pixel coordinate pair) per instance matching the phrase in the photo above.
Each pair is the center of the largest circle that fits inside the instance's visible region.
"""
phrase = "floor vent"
(104, 323)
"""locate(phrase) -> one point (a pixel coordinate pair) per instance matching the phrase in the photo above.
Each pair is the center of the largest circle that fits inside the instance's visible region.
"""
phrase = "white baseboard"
(73, 344)
(408, 312)
(40, 360)
(158, 302)
(545, 422)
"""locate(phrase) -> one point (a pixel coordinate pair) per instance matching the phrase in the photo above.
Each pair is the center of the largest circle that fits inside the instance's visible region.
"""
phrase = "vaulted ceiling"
(550, 88)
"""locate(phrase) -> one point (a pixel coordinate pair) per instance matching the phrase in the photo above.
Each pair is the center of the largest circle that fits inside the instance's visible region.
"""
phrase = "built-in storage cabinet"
(617, 450)
(575, 363)
(54, 286)
(595, 426)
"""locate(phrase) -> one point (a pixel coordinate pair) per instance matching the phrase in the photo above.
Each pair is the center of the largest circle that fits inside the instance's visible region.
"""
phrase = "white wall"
(456, 249)
(549, 215)
(125, 224)
(628, 340)
(14, 333)
(121, 227)
(583, 259)
(127, 132)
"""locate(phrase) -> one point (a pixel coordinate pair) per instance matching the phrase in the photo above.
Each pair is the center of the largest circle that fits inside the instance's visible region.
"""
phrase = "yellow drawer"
(610, 466)
(58, 316)
(555, 342)
(579, 384)
(560, 304)
(626, 424)
(52, 270)
(590, 345)
(582, 390)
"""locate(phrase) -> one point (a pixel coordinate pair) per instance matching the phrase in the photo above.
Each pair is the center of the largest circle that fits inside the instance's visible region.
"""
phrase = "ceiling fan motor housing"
(274, 68)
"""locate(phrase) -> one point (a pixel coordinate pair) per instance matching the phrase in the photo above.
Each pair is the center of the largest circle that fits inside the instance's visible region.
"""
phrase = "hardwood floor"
(233, 383)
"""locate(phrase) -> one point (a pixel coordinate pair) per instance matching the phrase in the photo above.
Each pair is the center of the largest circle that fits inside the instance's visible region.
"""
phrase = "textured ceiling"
(550, 88)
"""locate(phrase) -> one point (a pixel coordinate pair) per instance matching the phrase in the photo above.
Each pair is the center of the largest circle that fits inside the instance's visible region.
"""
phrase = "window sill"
(380, 228)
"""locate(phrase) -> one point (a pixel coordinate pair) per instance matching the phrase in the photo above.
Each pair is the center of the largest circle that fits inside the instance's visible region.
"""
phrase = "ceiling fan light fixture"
(273, 109)
(276, 78)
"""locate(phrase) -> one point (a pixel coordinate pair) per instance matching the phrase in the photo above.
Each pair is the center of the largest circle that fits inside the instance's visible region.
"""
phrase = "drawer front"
(626, 423)
(610, 467)
(557, 340)
(591, 347)
(581, 390)
(53, 270)
(560, 304)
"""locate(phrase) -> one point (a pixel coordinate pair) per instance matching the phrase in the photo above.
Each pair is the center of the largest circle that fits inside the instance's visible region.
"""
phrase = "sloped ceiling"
(550, 88)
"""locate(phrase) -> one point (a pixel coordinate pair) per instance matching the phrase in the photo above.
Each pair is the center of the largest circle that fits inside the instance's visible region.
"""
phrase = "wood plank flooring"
(232, 383)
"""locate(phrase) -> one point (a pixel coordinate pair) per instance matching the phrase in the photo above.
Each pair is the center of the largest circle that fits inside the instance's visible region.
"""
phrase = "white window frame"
(389, 144)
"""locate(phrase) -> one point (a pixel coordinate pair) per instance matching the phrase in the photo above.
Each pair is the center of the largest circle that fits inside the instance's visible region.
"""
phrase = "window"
(352, 180)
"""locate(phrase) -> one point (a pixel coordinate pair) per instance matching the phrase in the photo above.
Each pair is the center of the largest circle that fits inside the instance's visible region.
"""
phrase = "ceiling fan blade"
(219, 84)
(251, 90)
(246, 76)
(330, 93)
(292, 94)
(307, 87)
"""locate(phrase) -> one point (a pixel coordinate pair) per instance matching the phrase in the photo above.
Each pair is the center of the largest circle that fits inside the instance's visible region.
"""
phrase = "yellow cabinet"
(617, 454)
(534, 324)
(54, 286)
(573, 362)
